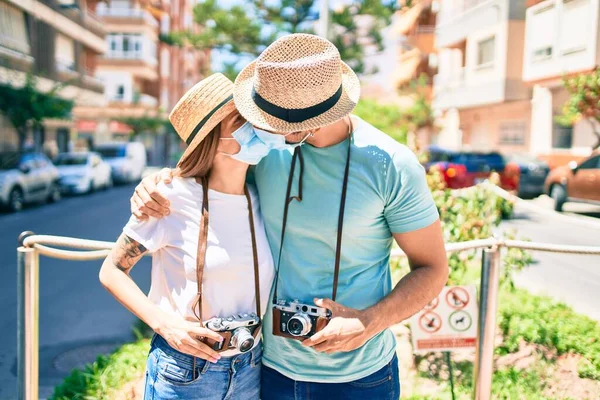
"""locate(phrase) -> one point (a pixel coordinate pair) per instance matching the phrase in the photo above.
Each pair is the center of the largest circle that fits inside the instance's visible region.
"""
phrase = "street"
(575, 279)
(78, 318)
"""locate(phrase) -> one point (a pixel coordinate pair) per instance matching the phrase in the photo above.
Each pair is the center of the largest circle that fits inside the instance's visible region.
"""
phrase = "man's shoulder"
(375, 143)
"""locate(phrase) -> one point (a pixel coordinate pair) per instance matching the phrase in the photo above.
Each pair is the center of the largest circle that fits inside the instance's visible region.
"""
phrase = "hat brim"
(213, 121)
(242, 95)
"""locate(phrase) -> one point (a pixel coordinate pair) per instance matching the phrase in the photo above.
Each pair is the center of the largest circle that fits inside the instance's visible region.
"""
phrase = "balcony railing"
(129, 55)
(148, 100)
(93, 22)
(450, 12)
(129, 13)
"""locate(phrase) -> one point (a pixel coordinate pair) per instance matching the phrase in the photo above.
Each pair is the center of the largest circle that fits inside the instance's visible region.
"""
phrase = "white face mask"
(255, 143)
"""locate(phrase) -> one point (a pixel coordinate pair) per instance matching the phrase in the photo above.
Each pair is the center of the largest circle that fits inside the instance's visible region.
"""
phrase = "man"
(299, 87)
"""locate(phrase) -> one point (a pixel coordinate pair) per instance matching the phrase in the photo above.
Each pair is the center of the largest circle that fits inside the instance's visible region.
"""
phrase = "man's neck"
(228, 180)
(331, 134)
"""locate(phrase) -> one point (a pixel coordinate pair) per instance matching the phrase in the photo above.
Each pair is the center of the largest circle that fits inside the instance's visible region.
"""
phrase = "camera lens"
(299, 324)
(242, 339)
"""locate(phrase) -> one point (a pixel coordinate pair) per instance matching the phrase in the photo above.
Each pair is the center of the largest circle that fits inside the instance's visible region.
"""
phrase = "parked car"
(467, 168)
(127, 160)
(576, 182)
(27, 178)
(532, 174)
(82, 172)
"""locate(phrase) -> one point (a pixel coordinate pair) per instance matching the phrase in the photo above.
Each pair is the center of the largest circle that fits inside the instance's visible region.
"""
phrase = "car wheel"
(559, 195)
(16, 200)
(54, 195)
(109, 183)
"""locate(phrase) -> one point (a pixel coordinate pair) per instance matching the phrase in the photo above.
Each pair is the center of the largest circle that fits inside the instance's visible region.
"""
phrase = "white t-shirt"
(228, 280)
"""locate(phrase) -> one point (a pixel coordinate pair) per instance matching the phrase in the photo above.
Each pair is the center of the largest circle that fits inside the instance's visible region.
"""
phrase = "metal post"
(324, 19)
(27, 323)
(488, 302)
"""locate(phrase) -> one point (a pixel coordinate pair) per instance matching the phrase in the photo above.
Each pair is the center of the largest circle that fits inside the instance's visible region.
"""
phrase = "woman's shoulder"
(180, 187)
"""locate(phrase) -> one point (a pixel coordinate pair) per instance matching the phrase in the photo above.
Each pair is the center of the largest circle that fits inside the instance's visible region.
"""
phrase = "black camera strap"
(289, 199)
(203, 244)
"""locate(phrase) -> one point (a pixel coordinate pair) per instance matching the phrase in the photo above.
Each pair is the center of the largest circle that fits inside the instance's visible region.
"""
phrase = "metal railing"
(32, 246)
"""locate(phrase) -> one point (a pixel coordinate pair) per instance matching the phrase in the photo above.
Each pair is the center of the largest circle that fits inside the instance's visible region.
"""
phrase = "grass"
(100, 379)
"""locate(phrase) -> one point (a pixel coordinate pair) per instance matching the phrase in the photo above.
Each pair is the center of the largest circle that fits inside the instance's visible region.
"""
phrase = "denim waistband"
(251, 357)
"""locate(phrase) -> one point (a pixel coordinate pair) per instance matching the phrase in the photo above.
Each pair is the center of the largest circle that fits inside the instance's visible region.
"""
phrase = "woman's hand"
(184, 336)
(147, 201)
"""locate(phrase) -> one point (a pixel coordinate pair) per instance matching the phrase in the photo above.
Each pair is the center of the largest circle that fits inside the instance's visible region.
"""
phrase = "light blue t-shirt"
(387, 192)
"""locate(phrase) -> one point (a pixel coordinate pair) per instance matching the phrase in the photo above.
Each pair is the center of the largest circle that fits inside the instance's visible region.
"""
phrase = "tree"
(26, 107)
(246, 30)
(584, 103)
(145, 124)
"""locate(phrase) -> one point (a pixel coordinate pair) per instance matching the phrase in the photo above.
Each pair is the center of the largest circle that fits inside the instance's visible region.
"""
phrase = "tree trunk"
(22, 134)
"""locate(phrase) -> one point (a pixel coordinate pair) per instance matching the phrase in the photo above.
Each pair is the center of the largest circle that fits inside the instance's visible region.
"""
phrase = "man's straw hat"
(199, 110)
(298, 83)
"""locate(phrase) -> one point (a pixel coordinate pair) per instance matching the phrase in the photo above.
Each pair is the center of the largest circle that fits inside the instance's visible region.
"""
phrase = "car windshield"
(111, 152)
(9, 160)
(71, 159)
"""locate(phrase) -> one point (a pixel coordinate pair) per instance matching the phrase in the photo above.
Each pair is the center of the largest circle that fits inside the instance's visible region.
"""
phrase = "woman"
(215, 236)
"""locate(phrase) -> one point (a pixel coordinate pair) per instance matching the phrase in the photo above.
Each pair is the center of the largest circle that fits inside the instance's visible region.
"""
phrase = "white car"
(127, 160)
(82, 172)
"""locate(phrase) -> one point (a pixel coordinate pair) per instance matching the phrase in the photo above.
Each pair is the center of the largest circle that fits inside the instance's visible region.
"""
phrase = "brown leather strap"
(203, 244)
(254, 251)
(288, 200)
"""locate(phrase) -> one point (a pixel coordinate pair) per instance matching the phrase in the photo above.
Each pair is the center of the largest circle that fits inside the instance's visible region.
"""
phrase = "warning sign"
(448, 322)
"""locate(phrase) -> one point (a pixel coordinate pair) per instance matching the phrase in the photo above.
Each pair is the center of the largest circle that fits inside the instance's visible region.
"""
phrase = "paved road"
(78, 318)
(574, 279)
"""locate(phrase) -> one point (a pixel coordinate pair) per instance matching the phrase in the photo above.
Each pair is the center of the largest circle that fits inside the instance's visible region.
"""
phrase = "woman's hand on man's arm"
(147, 201)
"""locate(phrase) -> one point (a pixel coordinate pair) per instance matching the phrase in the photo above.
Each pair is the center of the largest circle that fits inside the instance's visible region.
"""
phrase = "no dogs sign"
(448, 323)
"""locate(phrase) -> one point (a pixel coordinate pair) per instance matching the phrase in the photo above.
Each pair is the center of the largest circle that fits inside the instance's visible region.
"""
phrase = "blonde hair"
(199, 162)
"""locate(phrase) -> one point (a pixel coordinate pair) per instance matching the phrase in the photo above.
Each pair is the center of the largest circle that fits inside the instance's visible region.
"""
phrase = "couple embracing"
(271, 239)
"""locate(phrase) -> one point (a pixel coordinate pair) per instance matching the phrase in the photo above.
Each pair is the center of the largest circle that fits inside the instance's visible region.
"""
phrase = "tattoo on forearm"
(127, 252)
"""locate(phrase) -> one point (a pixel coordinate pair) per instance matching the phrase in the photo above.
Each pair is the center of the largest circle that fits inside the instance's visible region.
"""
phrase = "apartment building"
(417, 55)
(479, 94)
(143, 76)
(561, 40)
(59, 42)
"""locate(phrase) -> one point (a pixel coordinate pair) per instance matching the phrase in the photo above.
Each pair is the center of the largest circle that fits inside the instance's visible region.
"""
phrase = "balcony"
(572, 46)
(130, 55)
(147, 100)
(93, 23)
(461, 90)
(456, 22)
(126, 14)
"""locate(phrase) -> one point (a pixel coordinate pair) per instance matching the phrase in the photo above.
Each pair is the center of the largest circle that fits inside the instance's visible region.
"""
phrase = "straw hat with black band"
(204, 106)
(298, 83)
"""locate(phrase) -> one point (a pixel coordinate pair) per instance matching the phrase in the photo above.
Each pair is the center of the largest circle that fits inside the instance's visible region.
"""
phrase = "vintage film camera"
(238, 331)
(299, 321)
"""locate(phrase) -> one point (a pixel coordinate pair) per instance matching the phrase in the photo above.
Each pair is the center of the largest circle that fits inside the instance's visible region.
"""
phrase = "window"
(512, 132)
(591, 163)
(562, 137)
(13, 31)
(65, 53)
(486, 50)
(120, 92)
(574, 26)
(539, 41)
(126, 44)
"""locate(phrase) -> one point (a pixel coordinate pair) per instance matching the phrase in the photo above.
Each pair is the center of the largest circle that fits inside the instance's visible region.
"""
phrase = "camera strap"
(288, 200)
(203, 244)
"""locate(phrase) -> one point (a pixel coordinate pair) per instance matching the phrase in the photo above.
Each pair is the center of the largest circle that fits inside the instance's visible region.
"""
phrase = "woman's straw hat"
(298, 83)
(199, 110)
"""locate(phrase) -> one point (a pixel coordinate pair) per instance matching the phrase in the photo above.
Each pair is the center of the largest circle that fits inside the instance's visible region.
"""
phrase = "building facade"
(561, 40)
(478, 93)
(143, 75)
(59, 42)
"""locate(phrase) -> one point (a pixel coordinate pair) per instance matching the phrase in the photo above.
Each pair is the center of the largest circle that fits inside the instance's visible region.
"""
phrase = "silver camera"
(242, 328)
(299, 320)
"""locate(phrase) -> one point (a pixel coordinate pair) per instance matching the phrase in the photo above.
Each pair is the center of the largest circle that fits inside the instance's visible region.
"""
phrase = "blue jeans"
(381, 385)
(170, 375)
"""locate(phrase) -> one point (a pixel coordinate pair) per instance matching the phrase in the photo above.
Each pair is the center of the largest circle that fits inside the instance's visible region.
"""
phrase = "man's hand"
(147, 200)
(348, 329)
